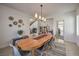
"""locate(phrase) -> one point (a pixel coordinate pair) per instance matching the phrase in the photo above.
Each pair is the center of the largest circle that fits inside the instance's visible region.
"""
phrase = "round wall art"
(10, 25)
(20, 21)
(19, 25)
(11, 18)
(15, 22)
(23, 24)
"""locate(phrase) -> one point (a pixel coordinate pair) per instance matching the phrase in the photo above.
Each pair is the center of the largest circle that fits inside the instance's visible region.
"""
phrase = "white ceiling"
(48, 8)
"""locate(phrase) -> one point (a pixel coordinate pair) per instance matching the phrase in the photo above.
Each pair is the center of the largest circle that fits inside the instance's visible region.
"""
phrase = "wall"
(8, 33)
(69, 26)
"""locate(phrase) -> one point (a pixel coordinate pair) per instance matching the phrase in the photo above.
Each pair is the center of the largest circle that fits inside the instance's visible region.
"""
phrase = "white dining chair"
(15, 50)
(42, 51)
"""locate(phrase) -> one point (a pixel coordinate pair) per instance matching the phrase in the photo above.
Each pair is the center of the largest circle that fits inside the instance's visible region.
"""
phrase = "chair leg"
(54, 44)
(44, 53)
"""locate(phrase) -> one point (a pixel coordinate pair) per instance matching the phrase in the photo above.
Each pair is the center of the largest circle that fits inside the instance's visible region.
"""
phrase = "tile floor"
(71, 49)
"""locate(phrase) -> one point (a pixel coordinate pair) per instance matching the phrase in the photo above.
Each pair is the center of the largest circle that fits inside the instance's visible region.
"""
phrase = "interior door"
(60, 29)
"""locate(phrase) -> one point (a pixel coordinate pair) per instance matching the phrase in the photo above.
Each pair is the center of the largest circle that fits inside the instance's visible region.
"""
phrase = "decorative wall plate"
(15, 22)
(11, 18)
(23, 24)
(20, 21)
(10, 25)
(19, 25)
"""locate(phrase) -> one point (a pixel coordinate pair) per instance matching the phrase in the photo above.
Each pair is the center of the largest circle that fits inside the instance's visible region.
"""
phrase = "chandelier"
(40, 17)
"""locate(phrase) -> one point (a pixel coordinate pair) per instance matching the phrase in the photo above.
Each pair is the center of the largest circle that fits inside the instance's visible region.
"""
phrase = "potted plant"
(20, 32)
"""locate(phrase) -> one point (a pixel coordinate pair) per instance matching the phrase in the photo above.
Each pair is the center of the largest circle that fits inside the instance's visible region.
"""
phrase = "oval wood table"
(31, 44)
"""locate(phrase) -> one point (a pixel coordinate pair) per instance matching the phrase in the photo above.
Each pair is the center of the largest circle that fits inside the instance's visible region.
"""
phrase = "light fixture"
(36, 16)
(44, 19)
(40, 17)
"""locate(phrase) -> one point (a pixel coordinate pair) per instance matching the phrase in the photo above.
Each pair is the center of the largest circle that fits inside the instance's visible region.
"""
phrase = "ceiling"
(48, 8)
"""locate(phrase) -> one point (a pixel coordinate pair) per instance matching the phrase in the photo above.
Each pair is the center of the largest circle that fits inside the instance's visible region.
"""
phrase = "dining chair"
(42, 50)
(18, 52)
(25, 53)
(16, 39)
(51, 43)
(15, 50)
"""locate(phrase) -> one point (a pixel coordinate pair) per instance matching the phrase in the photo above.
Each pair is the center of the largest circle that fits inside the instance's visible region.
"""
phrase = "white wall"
(7, 33)
(69, 26)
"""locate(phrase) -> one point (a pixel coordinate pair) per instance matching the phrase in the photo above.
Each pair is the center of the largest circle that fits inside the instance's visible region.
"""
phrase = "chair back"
(15, 50)
(45, 46)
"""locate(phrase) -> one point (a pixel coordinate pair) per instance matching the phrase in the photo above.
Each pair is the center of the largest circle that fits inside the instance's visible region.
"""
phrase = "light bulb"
(39, 17)
(42, 18)
(36, 16)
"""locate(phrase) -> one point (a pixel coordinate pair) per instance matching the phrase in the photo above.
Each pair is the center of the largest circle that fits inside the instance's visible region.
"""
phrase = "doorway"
(60, 27)
(60, 32)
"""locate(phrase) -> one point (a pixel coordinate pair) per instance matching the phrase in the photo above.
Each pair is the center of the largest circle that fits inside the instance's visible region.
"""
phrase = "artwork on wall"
(10, 25)
(23, 24)
(11, 18)
(15, 22)
(18, 23)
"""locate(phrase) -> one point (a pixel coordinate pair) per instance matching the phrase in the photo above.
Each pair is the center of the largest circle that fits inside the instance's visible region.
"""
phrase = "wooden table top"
(30, 43)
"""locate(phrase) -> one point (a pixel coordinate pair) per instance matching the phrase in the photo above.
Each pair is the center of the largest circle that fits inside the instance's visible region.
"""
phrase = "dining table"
(31, 44)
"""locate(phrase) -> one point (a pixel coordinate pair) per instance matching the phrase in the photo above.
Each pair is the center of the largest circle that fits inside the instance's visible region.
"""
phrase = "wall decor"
(19, 25)
(11, 18)
(20, 32)
(23, 24)
(20, 21)
(15, 22)
(10, 25)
